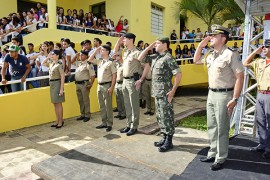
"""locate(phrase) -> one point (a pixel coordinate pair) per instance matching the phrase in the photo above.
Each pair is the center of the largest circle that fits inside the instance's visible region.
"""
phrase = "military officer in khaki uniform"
(84, 79)
(261, 68)
(225, 78)
(118, 87)
(106, 81)
(163, 67)
(57, 80)
(147, 92)
(131, 71)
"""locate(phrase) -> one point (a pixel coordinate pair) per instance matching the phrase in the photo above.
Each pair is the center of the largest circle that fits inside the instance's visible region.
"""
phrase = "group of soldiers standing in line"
(124, 75)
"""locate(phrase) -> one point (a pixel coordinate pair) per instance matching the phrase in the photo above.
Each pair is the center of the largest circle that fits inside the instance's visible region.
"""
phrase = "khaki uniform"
(106, 68)
(222, 68)
(147, 92)
(119, 91)
(84, 72)
(55, 71)
(262, 73)
(131, 65)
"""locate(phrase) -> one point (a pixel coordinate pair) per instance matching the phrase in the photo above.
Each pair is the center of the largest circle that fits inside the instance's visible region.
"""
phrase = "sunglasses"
(265, 46)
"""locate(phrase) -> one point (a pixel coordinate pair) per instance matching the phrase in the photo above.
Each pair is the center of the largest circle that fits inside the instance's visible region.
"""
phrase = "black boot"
(167, 144)
(143, 104)
(161, 142)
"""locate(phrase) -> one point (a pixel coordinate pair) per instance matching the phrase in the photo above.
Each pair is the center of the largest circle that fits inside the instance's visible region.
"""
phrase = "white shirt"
(42, 19)
(29, 55)
(32, 27)
(70, 52)
(41, 58)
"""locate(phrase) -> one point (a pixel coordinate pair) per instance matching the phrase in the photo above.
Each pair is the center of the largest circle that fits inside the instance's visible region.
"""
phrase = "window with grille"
(156, 20)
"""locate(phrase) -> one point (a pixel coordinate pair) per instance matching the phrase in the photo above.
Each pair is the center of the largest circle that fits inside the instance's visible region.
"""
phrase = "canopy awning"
(257, 7)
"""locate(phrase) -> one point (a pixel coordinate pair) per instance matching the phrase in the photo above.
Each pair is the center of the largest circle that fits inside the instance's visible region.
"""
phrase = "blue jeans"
(33, 73)
(18, 86)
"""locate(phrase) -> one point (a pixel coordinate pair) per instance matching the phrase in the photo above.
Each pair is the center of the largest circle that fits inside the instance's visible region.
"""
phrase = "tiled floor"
(22, 148)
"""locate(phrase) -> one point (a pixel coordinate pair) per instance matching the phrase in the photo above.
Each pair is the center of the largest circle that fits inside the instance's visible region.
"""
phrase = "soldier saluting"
(163, 67)
(261, 68)
(225, 79)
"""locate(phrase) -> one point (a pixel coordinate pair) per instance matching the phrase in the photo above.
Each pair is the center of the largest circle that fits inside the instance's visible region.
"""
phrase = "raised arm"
(198, 52)
(118, 43)
(248, 60)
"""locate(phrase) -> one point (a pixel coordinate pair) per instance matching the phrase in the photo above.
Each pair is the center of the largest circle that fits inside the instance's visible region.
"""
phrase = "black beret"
(130, 36)
(108, 48)
(85, 52)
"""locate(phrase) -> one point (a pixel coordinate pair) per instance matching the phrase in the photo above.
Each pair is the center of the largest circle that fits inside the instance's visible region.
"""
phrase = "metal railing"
(28, 80)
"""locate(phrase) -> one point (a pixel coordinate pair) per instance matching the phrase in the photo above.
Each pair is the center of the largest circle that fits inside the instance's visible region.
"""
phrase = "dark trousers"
(263, 120)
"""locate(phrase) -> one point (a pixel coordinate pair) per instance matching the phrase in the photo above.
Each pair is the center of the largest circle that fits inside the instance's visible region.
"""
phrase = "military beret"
(13, 48)
(85, 52)
(130, 36)
(163, 38)
(266, 42)
(108, 48)
(217, 29)
(56, 51)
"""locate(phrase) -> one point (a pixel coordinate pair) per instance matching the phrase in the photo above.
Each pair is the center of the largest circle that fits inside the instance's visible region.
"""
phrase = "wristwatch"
(235, 99)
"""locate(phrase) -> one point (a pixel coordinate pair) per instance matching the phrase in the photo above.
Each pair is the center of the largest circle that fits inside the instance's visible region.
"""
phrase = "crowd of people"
(37, 18)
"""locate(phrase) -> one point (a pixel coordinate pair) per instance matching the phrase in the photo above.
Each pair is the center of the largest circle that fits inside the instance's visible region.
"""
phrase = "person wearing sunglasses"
(225, 79)
(261, 68)
(57, 80)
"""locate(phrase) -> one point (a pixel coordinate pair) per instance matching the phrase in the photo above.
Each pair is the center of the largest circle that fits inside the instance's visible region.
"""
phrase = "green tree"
(210, 11)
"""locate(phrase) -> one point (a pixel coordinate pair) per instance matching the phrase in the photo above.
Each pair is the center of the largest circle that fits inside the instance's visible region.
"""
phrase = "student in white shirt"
(69, 55)
(43, 18)
(30, 20)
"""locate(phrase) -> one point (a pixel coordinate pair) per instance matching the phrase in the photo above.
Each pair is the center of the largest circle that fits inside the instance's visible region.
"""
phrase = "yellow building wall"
(34, 107)
(7, 6)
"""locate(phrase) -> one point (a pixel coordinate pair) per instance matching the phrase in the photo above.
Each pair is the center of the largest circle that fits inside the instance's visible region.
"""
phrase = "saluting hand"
(204, 42)
(231, 104)
(258, 50)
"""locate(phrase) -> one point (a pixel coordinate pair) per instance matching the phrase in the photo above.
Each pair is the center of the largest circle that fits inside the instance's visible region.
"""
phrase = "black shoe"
(207, 159)
(266, 155)
(216, 166)
(80, 118)
(148, 112)
(86, 119)
(58, 127)
(167, 144)
(101, 126)
(54, 125)
(161, 142)
(109, 128)
(257, 149)
(125, 130)
(118, 116)
(122, 117)
(131, 132)
(115, 110)
(151, 113)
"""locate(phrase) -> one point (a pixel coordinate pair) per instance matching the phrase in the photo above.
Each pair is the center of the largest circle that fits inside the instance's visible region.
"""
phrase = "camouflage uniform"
(163, 67)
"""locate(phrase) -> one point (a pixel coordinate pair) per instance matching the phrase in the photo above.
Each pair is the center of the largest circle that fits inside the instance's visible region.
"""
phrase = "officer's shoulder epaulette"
(233, 50)
(88, 62)
(59, 62)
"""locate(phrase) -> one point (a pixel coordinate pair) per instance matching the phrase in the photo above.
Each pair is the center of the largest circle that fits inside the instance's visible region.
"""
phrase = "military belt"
(81, 82)
(104, 83)
(221, 90)
(148, 79)
(54, 79)
(128, 77)
(264, 92)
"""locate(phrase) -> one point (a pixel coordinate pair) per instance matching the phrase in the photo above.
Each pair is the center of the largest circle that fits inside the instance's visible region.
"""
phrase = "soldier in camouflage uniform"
(163, 67)
(261, 68)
